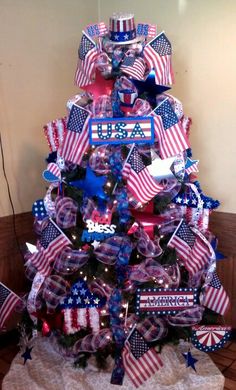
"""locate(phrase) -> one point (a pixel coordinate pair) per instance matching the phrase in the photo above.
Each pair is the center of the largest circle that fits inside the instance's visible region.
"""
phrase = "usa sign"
(165, 301)
(121, 130)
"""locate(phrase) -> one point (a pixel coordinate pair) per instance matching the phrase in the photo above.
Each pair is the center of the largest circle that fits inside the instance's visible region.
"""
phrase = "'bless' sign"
(121, 130)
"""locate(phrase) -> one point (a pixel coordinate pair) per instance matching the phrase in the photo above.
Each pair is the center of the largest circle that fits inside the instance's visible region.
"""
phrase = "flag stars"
(82, 291)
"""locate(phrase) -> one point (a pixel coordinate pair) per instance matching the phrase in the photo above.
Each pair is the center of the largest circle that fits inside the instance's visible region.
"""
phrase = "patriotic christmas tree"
(124, 262)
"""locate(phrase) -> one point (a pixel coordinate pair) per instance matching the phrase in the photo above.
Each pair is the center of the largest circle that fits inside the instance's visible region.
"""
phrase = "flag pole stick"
(123, 166)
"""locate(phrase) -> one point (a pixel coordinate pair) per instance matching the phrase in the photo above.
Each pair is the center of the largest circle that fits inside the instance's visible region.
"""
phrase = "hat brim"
(135, 40)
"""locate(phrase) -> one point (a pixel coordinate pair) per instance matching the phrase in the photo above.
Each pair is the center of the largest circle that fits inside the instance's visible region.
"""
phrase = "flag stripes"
(169, 131)
(157, 54)
(139, 181)
(51, 242)
(8, 301)
(140, 360)
(191, 248)
(215, 296)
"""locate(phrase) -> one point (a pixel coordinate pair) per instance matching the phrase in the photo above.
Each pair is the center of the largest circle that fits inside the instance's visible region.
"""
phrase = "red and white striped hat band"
(122, 28)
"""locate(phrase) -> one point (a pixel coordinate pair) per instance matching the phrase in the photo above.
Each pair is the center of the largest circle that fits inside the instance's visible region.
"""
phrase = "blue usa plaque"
(121, 130)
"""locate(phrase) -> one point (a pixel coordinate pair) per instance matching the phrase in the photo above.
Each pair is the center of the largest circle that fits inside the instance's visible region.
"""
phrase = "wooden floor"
(224, 358)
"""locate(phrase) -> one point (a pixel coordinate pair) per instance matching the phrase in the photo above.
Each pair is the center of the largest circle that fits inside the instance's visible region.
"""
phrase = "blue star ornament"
(191, 165)
(150, 88)
(92, 185)
(190, 360)
(27, 354)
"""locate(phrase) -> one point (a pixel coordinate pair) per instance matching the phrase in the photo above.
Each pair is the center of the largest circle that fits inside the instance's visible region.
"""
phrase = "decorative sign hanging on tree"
(96, 231)
(209, 338)
(121, 130)
(165, 301)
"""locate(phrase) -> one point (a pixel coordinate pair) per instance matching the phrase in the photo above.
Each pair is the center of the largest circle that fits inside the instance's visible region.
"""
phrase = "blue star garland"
(189, 199)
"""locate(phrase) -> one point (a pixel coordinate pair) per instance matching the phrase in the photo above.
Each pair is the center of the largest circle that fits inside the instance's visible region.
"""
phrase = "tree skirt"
(50, 371)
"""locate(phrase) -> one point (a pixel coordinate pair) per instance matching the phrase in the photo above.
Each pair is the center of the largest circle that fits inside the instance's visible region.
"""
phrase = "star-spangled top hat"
(122, 29)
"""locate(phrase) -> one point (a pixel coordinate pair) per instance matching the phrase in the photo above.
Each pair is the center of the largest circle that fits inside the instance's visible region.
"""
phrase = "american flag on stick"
(97, 30)
(215, 296)
(139, 359)
(52, 241)
(86, 64)
(139, 181)
(168, 130)
(8, 301)
(76, 141)
(157, 54)
(146, 30)
(190, 247)
(134, 67)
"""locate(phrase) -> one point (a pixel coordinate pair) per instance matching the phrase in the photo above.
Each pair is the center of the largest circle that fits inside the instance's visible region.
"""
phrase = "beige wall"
(39, 40)
(38, 53)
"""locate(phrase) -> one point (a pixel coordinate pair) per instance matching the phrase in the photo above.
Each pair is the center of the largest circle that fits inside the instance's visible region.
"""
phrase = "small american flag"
(140, 361)
(139, 181)
(8, 301)
(97, 30)
(191, 248)
(168, 130)
(51, 242)
(77, 138)
(134, 67)
(86, 64)
(215, 296)
(157, 53)
(146, 30)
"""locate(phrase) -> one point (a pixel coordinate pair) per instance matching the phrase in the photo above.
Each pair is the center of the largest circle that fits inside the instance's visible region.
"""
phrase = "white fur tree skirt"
(48, 370)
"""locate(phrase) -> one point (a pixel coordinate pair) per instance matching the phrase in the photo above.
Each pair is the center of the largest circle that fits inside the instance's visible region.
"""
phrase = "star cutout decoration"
(191, 165)
(101, 86)
(27, 354)
(190, 360)
(160, 169)
(149, 88)
(95, 244)
(92, 184)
